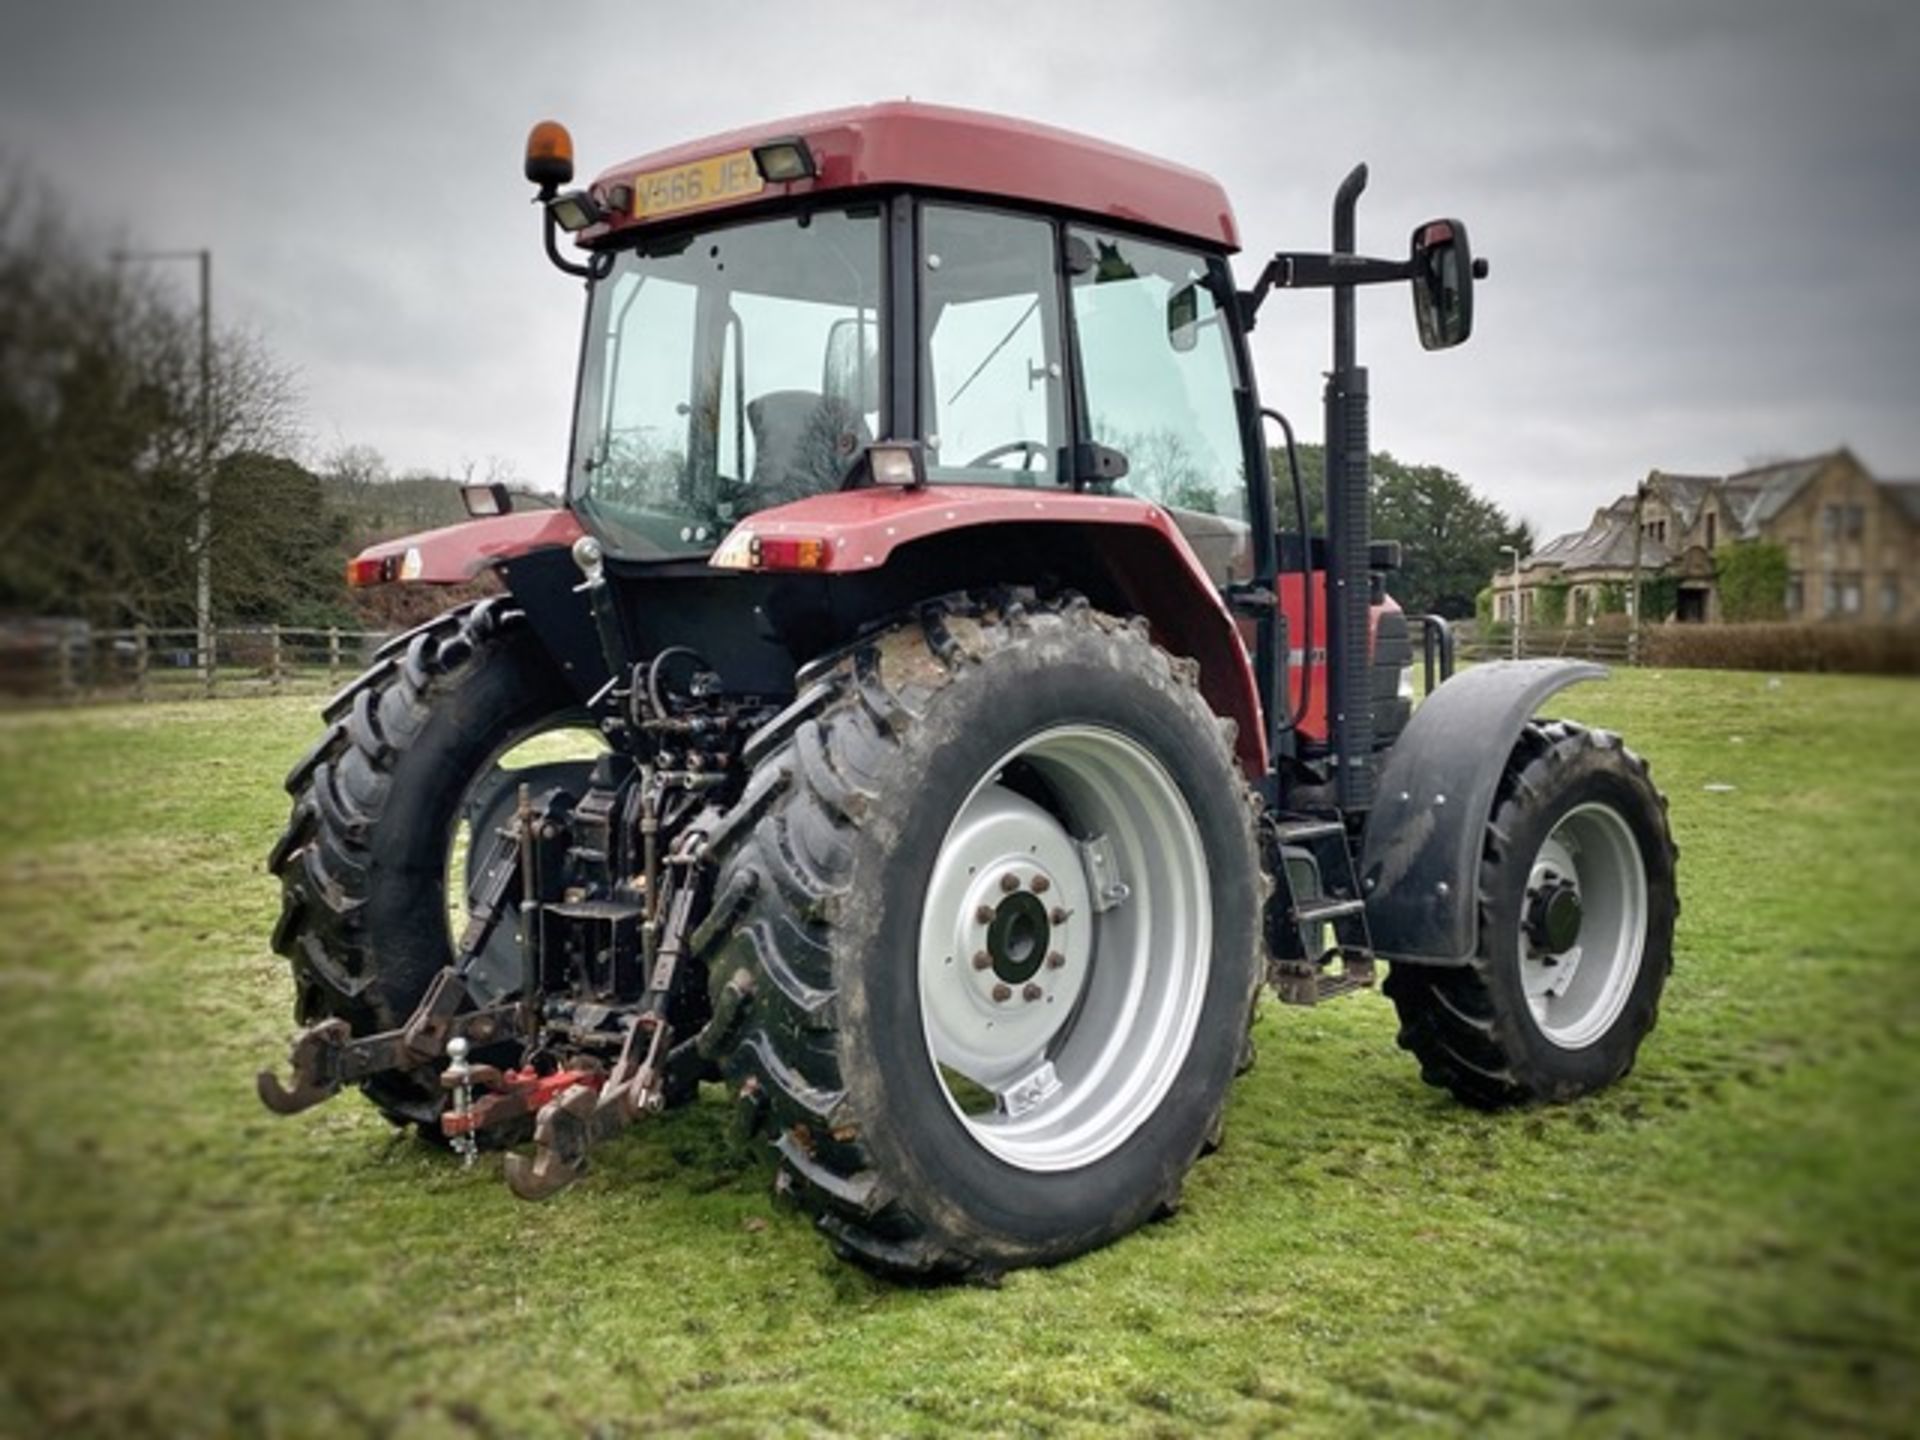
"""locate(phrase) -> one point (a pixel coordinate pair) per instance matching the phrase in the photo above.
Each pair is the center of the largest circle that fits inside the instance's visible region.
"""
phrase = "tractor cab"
(744, 351)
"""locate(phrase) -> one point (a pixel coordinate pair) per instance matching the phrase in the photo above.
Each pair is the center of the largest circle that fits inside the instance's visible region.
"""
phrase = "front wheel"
(999, 914)
(1577, 909)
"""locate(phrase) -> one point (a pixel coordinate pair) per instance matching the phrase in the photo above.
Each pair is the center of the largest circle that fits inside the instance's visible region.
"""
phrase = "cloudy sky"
(1702, 217)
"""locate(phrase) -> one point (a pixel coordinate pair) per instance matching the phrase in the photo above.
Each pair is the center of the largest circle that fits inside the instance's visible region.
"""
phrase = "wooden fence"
(1608, 645)
(74, 664)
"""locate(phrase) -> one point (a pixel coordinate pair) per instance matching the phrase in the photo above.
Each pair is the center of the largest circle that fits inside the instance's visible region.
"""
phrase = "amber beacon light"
(549, 156)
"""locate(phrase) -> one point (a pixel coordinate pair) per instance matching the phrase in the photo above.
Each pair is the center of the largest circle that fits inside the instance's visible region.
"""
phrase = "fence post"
(273, 670)
(333, 655)
(140, 661)
(63, 658)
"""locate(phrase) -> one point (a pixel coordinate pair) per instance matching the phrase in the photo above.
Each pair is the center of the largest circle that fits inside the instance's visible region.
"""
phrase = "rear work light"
(784, 160)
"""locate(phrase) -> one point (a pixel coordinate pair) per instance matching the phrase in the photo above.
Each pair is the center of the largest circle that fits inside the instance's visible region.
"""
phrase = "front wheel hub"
(1553, 917)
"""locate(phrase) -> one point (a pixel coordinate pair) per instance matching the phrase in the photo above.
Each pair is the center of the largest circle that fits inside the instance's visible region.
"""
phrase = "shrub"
(1753, 581)
(1550, 603)
(1854, 649)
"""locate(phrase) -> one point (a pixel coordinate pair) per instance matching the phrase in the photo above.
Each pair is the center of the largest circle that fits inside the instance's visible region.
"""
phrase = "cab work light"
(575, 210)
(783, 160)
(897, 462)
(483, 501)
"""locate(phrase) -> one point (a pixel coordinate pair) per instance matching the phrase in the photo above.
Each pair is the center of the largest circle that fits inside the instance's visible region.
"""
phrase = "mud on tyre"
(995, 888)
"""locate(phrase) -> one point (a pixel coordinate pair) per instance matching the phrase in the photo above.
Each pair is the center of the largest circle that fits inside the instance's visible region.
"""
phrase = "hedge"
(1850, 649)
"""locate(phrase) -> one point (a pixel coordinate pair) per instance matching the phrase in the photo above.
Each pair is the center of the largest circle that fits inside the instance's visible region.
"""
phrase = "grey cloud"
(1700, 214)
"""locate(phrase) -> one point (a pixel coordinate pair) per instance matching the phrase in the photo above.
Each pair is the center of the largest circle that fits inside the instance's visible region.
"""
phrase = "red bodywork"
(455, 554)
(935, 147)
(1151, 563)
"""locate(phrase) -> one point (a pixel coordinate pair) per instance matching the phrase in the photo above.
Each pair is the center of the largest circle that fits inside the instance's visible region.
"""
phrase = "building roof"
(1754, 497)
(903, 143)
(1606, 544)
(1550, 553)
(1685, 493)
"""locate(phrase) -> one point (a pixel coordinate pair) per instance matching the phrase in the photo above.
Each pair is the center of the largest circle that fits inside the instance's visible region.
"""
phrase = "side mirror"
(1183, 317)
(851, 369)
(1443, 274)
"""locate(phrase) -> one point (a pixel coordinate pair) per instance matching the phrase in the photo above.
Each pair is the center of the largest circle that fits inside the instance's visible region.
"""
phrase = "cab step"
(1303, 982)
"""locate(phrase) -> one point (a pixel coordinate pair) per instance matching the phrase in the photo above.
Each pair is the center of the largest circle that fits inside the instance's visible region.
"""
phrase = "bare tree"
(101, 425)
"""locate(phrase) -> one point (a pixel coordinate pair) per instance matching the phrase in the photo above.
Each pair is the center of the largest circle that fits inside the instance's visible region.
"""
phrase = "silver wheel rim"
(1064, 948)
(1576, 993)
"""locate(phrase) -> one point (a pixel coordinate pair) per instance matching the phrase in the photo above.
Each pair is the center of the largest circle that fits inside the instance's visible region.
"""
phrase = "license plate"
(712, 181)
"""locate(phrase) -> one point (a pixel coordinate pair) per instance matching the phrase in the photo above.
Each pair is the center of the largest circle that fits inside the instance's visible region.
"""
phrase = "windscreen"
(727, 371)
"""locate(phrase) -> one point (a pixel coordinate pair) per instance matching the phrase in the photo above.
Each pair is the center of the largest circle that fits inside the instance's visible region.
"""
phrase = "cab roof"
(937, 147)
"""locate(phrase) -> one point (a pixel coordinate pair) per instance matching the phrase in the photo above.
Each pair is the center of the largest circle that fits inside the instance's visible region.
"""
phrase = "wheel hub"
(1583, 923)
(1018, 937)
(1017, 941)
(1553, 917)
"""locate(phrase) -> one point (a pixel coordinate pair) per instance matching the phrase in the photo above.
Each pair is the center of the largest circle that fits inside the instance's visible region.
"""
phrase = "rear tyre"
(1577, 908)
(364, 860)
(998, 909)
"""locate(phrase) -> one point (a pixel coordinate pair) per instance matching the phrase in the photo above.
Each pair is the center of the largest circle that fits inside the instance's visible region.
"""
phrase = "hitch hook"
(315, 1062)
(562, 1136)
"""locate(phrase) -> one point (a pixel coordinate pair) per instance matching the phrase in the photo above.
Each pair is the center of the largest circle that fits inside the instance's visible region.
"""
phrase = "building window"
(1796, 596)
(1856, 520)
(1890, 597)
(1712, 529)
(1830, 522)
(1843, 593)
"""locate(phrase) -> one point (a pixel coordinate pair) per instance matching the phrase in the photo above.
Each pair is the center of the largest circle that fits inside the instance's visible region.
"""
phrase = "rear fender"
(455, 554)
(1420, 859)
(1117, 546)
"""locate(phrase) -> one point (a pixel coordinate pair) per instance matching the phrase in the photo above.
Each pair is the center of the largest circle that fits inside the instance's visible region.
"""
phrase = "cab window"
(993, 401)
(1157, 364)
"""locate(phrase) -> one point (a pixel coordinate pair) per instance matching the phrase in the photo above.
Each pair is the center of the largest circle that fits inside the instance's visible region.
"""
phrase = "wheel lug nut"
(984, 914)
(1055, 960)
(1040, 884)
(1060, 913)
(1009, 883)
(1001, 993)
(1031, 993)
(981, 960)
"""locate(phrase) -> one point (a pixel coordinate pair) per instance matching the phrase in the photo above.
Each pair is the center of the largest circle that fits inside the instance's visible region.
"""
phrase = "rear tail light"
(744, 550)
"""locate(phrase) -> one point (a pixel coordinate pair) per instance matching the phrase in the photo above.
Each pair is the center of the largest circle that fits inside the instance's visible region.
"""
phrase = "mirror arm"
(1314, 270)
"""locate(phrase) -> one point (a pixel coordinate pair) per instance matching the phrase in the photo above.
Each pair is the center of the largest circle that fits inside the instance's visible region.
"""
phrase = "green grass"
(1727, 1243)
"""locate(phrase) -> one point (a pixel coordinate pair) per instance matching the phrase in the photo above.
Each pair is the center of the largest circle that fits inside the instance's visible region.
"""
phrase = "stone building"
(1852, 545)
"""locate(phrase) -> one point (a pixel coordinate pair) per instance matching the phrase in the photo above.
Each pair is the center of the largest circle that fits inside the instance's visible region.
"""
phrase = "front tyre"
(1577, 909)
(999, 912)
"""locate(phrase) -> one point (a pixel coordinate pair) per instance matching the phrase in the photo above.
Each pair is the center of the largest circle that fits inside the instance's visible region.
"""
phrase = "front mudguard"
(1421, 853)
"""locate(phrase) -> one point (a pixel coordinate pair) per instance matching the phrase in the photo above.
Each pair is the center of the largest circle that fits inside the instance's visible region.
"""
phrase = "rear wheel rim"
(1577, 992)
(1065, 943)
(533, 750)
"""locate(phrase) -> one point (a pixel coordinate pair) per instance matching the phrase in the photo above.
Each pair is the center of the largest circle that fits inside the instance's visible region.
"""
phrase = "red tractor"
(924, 717)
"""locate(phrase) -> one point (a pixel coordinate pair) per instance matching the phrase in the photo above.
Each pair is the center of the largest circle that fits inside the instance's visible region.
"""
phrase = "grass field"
(1728, 1243)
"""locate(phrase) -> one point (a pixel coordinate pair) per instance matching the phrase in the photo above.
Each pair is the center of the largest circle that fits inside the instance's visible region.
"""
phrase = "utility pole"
(1639, 530)
(1514, 641)
(203, 480)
